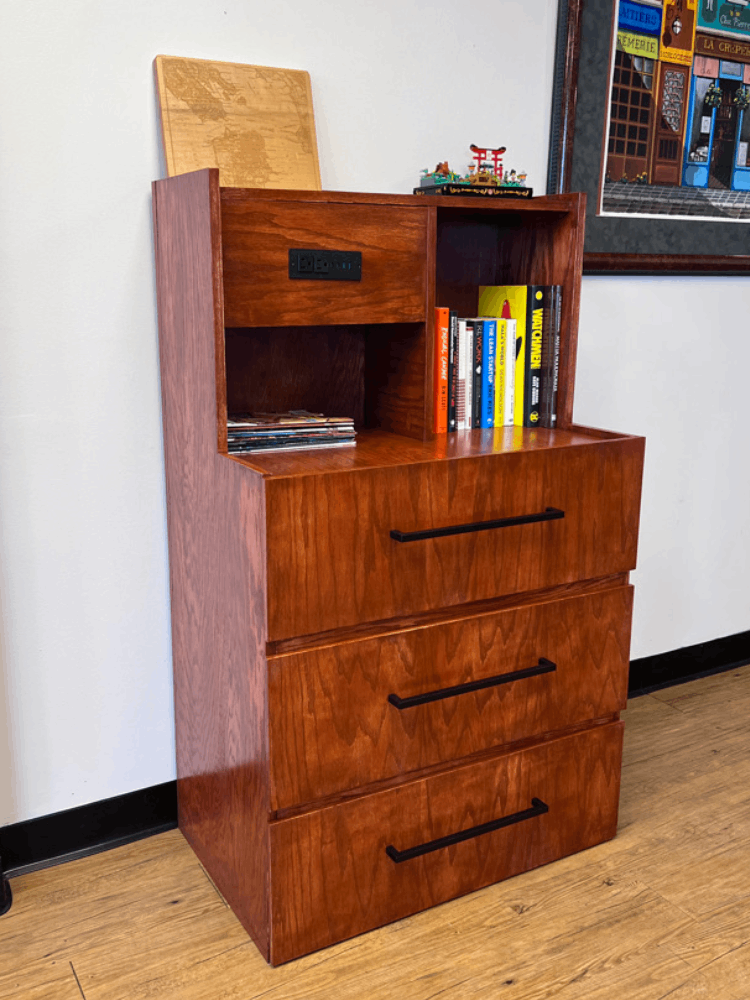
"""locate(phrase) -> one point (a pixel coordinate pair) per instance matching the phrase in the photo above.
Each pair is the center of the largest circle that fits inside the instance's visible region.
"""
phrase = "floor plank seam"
(78, 981)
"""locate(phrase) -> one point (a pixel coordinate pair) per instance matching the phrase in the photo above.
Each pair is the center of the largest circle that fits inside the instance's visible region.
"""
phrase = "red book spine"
(442, 331)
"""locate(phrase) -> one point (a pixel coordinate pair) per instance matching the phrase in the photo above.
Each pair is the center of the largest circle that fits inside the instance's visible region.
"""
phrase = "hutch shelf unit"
(376, 709)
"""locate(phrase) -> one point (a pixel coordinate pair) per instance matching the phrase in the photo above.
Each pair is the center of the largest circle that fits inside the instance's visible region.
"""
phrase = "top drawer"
(257, 238)
(333, 561)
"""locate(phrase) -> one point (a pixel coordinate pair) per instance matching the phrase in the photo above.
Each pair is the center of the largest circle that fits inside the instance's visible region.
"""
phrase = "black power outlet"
(325, 265)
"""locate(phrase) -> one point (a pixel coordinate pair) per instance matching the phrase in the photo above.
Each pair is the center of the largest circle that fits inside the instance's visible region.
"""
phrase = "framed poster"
(651, 118)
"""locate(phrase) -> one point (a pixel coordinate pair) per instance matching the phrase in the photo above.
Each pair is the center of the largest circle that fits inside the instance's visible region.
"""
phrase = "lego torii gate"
(483, 156)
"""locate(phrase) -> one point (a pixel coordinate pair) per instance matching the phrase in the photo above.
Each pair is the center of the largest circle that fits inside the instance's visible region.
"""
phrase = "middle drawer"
(345, 715)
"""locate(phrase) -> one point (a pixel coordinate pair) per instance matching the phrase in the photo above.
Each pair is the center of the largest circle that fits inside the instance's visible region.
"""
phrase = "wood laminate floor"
(661, 911)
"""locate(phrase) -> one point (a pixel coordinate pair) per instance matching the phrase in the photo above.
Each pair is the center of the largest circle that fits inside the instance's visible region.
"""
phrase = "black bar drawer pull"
(548, 514)
(543, 667)
(538, 808)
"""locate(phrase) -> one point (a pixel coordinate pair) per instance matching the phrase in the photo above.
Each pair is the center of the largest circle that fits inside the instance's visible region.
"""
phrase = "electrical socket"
(325, 265)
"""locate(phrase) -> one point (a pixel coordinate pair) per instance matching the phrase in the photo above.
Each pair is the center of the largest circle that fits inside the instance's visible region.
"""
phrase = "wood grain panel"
(395, 376)
(257, 238)
(332, 878)
(335, 564)
(217, 566)
(274, 369)
(333, 728)
(255, 123)
(378, 449)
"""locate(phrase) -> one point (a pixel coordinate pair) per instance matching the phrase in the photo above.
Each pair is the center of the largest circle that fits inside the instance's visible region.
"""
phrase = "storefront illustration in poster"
(678, 132)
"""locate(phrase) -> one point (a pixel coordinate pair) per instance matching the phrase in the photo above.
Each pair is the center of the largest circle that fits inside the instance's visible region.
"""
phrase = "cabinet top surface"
(380, 449)
(553, 203)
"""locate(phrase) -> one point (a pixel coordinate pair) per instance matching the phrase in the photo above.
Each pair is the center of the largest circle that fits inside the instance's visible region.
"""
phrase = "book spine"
(489, 348)
(556, 329)
(500, 348)
(520, 367)
(476, 403)
(452, 368)
(510, 372)
(442, 322)
(469, 374)
(532, 409)
(548, 353)
(461, 382)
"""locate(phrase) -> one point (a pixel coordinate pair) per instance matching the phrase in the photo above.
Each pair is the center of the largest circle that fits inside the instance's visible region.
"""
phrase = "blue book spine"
(476, 397)
(489, 344)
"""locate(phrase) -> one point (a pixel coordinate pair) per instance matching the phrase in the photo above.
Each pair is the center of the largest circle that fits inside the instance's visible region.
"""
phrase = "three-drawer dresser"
(398, 666)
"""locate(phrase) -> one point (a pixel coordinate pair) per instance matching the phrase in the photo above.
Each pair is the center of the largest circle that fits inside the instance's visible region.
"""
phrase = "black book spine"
(556, 328)
(545, 390)
(476, 375)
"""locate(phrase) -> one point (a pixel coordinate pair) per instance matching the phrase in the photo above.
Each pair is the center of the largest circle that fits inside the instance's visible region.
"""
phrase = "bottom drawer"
(347, 868)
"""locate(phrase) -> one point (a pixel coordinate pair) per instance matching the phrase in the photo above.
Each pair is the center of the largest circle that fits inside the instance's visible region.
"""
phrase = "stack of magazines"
(291, 431)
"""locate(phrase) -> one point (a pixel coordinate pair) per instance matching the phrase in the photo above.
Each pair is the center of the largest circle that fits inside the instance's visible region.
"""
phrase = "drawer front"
(331, 876)
(257, 238)
(333, 562)
(454, 689)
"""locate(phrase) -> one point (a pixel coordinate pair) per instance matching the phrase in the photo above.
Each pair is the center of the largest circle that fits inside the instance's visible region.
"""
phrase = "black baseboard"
(651, 673)
(77, 833)
(85, 830)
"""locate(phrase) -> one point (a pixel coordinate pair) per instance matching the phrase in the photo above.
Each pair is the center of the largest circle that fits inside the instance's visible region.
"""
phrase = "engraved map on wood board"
(255, 123)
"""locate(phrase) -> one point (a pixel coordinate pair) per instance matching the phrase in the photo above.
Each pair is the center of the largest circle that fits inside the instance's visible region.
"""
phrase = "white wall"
(667, 358)
(85, 686)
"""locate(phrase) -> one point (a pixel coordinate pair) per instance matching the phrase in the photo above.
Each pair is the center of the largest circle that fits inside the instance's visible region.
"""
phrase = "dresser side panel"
(215, 513)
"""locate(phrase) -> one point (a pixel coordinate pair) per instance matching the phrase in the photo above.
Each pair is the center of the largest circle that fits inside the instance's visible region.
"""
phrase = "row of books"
(500, 368)
(291, 431)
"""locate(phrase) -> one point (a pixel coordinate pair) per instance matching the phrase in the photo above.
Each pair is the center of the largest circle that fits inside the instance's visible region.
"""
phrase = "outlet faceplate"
(325, 265)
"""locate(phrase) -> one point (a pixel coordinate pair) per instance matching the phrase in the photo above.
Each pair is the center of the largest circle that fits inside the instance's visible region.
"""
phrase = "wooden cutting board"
(255, 123)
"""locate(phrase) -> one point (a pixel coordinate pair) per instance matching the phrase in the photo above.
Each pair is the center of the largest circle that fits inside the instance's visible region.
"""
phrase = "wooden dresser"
(377, 709)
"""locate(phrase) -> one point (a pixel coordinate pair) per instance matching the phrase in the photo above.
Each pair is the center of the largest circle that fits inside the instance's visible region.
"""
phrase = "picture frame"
(620, 244)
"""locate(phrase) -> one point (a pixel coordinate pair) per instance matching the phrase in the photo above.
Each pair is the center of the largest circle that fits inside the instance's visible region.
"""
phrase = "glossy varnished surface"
(335, 563)
(332, 878)
(257, 238)
(217, 567)
(332, 726)
(286, 766)
(377, 449)
(658, 913)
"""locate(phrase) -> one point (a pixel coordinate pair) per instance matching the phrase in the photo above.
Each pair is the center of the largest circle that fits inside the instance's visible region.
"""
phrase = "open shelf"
(365, 349)
(368, 372)
(380, 449)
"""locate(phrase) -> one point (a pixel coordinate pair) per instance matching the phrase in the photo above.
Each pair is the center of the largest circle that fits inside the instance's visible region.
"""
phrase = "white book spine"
(461, 382)
(510, 372)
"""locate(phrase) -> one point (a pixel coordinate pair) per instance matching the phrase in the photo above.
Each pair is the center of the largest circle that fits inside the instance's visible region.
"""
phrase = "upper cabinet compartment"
(535, 243)
(258, 234)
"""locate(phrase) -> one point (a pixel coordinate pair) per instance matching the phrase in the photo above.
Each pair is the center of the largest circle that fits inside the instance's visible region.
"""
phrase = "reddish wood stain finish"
(331, 877)
(336, 563)
(217, 567)
(257, 241)
(294, 612)
(332, 726)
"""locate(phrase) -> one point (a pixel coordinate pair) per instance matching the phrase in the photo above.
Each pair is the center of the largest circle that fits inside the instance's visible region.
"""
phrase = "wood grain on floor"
(661, 911)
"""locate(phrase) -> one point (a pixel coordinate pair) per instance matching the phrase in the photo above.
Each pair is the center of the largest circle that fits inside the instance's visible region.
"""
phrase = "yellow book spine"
(510, 302)
(500, 362)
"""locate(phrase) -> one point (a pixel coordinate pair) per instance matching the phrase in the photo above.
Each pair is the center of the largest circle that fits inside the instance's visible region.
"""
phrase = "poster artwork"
(678, 130)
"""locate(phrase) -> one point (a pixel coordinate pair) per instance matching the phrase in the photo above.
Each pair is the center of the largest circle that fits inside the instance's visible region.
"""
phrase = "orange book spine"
(442, 330)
